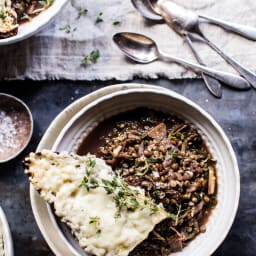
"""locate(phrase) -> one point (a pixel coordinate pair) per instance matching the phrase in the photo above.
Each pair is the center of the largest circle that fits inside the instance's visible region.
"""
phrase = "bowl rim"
(37, 23)
(6, 232)
(198, 108)
(31, 121)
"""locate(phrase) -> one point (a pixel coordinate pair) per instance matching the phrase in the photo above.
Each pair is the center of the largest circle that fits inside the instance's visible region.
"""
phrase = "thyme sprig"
(124, 196)
(89, 182)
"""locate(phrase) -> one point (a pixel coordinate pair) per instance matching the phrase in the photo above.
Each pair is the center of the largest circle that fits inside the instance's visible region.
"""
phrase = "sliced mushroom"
(158, 132)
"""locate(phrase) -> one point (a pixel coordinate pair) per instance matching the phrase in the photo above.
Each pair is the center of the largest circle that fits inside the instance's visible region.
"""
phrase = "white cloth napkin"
(55, 54)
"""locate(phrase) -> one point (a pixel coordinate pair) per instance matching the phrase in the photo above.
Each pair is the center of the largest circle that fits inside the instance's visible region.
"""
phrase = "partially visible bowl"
(6, 235)
(85, 121)
(16, 126)
(36, 24)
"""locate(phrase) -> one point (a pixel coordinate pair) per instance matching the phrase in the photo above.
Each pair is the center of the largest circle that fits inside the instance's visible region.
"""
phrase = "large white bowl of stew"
(174, 150)
(20, 19)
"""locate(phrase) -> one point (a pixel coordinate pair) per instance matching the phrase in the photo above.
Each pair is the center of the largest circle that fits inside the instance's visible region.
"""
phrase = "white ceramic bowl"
(99, 109)
(6, 233)
(36, 24)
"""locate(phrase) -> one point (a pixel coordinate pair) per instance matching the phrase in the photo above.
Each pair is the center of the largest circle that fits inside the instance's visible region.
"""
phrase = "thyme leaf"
(2, 15)
(99, 18)
(81, 12)
(94, 220)
(116, 23)
(92, 57)
(68, 29)
(173, 155)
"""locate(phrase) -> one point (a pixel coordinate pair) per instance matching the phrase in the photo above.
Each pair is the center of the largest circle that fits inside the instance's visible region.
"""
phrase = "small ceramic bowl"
(16, 126)
(6, 235)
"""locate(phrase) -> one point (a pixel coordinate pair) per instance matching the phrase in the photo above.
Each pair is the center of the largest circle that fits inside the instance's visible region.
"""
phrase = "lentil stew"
(168, 158)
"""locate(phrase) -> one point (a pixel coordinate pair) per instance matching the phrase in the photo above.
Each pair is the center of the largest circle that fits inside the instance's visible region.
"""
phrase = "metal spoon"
(145, 8)
(143, 49)
(243, 30)
(212, 84)
(185, 22)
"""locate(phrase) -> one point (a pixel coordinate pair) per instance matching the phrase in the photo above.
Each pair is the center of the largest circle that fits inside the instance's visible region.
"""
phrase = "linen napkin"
(60, 50)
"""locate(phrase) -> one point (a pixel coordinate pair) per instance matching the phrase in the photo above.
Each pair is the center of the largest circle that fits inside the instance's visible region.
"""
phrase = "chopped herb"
(116, 23)
(182, 137)
(91, 163)
(2, 15)
(68, 29)
(124, 196)
(99, 18)
(156, 192)
(151, 160)
(92, 57)
(173, 155)
(153, 209)
(81, 12)
(96, 221)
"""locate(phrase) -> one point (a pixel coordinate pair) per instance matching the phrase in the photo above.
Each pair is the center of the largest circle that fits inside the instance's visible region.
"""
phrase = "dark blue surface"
(235, 112)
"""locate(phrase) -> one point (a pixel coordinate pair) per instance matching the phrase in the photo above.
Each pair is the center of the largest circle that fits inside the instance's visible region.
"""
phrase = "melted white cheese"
(58, 177)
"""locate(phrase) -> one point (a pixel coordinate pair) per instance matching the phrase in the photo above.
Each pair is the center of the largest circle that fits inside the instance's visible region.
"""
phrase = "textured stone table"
(235, 112)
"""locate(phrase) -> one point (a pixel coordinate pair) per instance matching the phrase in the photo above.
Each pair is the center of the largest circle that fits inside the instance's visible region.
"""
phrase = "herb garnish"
(116, 23)
(173, 155)
(123, 195)
(68, 29)
(81, 12)
(2, 15)
(89, 182)
(99, 18)
(156, 192)
(92, 57)
(96, 221)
